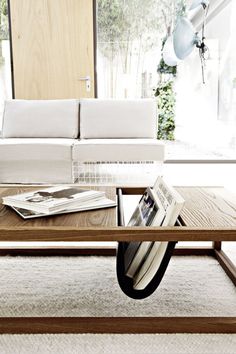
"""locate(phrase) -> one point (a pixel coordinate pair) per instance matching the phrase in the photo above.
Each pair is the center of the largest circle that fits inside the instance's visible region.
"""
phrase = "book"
(135, 254)
(98, 204)
(53, 199)
(144, 262)
(151, 265)
(148, 211)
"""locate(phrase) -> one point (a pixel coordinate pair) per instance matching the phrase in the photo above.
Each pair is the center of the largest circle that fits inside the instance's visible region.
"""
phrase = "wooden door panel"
(52, 48)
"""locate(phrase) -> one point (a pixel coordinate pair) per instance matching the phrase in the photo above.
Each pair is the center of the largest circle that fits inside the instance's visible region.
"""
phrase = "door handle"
(87, 79)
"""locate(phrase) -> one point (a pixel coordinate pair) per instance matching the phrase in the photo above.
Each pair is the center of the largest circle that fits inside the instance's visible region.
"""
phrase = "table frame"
(35, 325)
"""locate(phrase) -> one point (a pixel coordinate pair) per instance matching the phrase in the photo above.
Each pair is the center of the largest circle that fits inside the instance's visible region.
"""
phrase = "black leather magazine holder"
(126, 283)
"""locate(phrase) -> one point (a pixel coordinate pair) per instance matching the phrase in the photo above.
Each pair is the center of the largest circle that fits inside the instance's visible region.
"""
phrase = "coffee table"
(209, 215)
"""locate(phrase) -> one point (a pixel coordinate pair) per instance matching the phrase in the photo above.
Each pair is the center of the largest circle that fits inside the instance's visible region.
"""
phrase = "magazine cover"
(52, 199)
(147, 210)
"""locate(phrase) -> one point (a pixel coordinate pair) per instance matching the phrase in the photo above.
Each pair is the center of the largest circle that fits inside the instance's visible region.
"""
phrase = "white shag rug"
(118, 344)
(87, 286)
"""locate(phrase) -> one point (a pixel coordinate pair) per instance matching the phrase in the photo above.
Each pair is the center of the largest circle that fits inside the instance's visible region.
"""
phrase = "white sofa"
(41, 139)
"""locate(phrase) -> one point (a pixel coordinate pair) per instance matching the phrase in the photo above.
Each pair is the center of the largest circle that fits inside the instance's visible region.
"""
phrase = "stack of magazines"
(144, 261)
(57, 200)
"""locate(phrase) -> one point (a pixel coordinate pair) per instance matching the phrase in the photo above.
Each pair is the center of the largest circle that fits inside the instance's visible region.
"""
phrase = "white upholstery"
(36, 160)
(35, 171)
(39, 145)
(118, 118)
(41, 119)
(118, 150)
(37, 149)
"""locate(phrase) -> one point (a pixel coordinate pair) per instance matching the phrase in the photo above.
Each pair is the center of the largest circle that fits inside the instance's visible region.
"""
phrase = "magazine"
(98, 204)
(53, 199)
(148, 211)
(143, 259)
(170, 199)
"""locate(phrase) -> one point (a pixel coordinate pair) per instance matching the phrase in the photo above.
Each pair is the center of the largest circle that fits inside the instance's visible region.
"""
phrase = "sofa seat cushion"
(21, 149)
(108, 119)
(41, 119)
(118, 150)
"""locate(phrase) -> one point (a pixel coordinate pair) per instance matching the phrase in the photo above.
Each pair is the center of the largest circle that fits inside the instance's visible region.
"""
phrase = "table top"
(208, 207)
(209, 215)
(93, 218)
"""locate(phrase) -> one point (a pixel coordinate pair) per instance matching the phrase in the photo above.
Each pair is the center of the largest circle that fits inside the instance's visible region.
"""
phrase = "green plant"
(166, 105)
(163, 68)
(166, 99)
(3, 20)
(165, 90)
(3, 26)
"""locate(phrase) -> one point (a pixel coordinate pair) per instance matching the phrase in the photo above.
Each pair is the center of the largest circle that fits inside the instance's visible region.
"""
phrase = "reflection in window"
(5, 66)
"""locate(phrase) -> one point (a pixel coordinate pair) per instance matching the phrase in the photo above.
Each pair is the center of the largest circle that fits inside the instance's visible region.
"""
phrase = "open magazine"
(159, 206)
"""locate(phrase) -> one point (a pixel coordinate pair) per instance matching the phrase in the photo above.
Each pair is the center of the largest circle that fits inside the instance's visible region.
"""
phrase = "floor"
(180, 150)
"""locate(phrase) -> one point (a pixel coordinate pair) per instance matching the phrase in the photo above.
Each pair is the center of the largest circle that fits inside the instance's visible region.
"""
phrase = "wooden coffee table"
(209, 215)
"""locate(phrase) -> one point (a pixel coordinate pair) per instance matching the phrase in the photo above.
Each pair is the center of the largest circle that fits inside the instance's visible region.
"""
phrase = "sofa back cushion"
(100, 118)
(41, 119)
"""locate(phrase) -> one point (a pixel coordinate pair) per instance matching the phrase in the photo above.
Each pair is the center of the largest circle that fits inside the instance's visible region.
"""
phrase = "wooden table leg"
(217, 245)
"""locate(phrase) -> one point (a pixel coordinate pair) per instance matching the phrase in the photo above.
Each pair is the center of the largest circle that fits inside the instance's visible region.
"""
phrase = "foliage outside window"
(165, 93)
(129, 41)
(129, 36)
(4, 31)
(166, 100)
(166, 110)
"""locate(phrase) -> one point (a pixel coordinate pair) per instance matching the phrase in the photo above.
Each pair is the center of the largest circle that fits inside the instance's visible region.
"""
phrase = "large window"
(5, 67)
(206, 114)
(129, 46)
(130, 37)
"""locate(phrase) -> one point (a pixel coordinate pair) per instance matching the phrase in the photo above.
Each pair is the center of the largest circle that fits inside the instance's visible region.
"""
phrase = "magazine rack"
(209, 215)
(126, 284)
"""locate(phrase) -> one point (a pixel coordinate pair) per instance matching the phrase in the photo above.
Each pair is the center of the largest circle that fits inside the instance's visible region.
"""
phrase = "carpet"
(118, 344)
(87, 286)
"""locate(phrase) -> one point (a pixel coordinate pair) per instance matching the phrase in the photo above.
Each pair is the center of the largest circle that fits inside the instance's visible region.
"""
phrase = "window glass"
(5, 62)
(196, 120)
(206, 113)
(129, 45)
